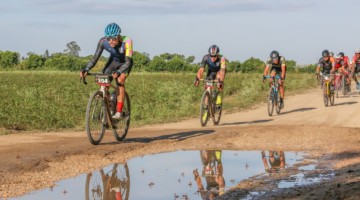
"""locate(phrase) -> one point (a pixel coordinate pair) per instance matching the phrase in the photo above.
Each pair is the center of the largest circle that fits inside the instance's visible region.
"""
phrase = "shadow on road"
(176, 136)
(298, 110)
(346, 103)
(250, 122)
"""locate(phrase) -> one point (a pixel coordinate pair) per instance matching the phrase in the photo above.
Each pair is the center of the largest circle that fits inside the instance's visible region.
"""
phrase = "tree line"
(69, 60)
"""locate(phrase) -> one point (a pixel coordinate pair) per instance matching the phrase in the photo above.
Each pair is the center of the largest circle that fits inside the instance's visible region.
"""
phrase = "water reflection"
(201, 174)
(112, 185)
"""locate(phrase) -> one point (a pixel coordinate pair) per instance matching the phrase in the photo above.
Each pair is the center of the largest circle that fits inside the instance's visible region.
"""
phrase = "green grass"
(57, 100)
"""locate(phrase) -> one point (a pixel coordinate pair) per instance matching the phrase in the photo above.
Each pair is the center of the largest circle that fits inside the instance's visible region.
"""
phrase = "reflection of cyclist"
(213, 174)
(120, 62)
(216, 69)
(276, 160)
(277, 66)
(326, 66)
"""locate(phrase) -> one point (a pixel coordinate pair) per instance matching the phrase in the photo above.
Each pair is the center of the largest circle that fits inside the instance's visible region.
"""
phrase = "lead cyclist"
(119, 64)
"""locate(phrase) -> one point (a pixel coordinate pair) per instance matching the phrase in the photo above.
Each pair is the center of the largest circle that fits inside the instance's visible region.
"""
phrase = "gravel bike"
(208, 106)
(327, 93)
(273, 97)
(100, 108)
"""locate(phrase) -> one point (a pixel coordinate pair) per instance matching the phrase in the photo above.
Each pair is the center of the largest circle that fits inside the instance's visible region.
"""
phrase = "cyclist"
(120, 61)
(216, 69)
(276, 160)
(356, 66)
(342, 65)
(277, 66)
(326, 66)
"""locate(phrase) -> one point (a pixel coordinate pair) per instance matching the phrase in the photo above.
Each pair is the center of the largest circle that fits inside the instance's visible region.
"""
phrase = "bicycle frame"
(105, 85)
(209, 87)
(275, 83)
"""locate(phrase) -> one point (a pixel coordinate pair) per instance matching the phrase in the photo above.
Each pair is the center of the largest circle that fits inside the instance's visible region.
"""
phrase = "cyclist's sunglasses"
(214, 56)
(112, 38)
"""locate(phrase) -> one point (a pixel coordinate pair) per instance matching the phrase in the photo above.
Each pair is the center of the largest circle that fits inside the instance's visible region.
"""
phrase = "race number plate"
(209, 84)
(103, 80)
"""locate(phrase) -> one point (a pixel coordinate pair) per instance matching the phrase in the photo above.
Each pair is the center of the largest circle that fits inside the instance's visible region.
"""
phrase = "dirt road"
(31, 161)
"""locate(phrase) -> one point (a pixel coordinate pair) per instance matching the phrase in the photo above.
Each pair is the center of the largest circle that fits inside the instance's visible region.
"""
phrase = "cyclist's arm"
(267, 66)
(128, 55)
(222, 69)
(98, 52)
(283, 67)
(319, 67)
(202, 67)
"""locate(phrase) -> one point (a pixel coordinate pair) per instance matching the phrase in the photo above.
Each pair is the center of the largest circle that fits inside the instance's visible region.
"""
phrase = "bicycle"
(327, 93)
(100, 108)
(274, 96)
(110, 185)
(209, 97)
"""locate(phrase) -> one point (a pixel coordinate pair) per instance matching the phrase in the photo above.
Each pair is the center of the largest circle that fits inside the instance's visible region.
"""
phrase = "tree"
(141, 61)
(252, 65)
(290, 65)
(156, 64)
(46, 54)
(72, 49)
(34, 61)
(9, 59)
(190, 59)
(233, 66)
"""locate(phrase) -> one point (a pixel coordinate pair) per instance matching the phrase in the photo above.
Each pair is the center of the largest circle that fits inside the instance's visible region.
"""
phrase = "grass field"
(57, 100)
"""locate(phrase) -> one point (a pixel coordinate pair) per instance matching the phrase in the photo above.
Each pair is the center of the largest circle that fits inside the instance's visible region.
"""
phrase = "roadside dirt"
(31, 161)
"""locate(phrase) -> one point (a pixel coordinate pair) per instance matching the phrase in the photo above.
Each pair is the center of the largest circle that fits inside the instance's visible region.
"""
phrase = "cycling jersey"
(325, 65)
(276, 67)
(339, 63)
(120, 56)
(356, 61)
(213, 67)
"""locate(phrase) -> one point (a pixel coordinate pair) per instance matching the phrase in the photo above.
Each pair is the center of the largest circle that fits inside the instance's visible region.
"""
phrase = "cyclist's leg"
(121, 85)
(281, 83)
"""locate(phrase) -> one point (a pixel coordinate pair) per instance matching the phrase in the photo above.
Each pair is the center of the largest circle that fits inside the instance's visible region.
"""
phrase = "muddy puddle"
(176, 175)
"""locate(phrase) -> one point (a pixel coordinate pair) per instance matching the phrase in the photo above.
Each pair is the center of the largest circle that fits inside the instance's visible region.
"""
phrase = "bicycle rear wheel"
(271, 101)
(121, 127)
(278, 103)
(217, 108)
(205, 108)
(337, 87)
(120, 179)
(332, 99)
(96, 120)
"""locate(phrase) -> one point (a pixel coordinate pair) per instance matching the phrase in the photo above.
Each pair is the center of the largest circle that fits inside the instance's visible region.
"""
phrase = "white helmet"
(357, 50)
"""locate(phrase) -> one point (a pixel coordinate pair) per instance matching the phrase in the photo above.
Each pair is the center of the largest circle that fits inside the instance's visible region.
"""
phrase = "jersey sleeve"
(223, 63)
(128, 47)
(282, 61)
(98, 52)
(203, 62)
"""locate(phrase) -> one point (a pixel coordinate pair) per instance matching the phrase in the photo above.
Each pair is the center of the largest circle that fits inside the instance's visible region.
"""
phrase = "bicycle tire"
(205, 108)
(98, 188)
(337, 87)
(217, 108)
(96, 115)
(122, 125)
(326, 100)
(270, 101)
(332, 99)
(278, 103)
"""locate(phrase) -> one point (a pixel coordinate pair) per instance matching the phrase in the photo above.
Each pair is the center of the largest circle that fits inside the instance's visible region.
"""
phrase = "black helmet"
(325, 53)
(274, 55)
(214, 50)
(341, 54)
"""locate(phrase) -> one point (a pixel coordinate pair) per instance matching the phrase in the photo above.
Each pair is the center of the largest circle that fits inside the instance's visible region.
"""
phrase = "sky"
(299, 30)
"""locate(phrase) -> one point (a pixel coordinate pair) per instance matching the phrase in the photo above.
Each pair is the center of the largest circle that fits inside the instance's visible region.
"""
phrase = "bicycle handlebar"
(83, 79)
(276, 77)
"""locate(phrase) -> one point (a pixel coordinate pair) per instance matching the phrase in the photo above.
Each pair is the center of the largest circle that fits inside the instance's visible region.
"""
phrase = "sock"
(119, 106)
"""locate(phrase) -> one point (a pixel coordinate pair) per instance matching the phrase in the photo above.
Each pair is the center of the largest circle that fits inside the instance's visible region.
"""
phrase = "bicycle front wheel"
(205, 108)
(96, 120)
(271, 101)
(325, 94)
(121, 127)
(217, 108)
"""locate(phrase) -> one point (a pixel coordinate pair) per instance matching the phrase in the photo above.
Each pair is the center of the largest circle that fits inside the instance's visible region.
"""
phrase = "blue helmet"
(112, 30)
